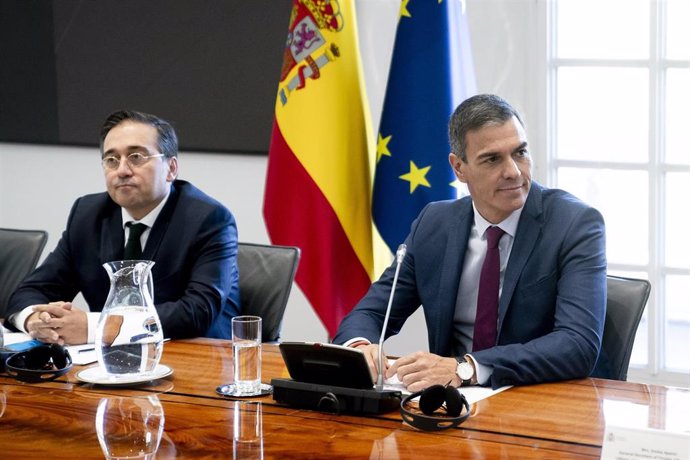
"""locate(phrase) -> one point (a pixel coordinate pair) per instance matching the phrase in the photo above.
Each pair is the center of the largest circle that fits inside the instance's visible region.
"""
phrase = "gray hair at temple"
(474, 113)
(167, 139)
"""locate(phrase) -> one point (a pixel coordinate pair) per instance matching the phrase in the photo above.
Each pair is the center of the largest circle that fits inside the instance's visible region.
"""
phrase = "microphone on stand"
(399, 256)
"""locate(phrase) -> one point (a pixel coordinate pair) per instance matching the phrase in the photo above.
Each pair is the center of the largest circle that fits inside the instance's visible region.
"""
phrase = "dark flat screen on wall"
(209, 66)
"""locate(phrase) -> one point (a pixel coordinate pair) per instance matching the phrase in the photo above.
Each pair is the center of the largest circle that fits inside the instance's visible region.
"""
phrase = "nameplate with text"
(622, 443)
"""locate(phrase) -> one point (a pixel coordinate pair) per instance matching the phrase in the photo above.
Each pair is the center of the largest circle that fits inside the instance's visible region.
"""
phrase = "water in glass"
(141, 352)
(247, 361)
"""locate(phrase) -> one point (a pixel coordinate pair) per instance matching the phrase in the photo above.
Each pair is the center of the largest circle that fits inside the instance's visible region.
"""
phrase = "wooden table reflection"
(561, 420)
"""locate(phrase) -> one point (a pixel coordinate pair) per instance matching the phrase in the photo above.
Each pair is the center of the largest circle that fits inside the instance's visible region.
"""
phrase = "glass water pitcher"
(129, 337)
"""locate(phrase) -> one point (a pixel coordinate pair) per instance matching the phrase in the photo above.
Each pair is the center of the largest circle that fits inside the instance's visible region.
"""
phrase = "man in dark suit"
(191, 237)
(552, 300)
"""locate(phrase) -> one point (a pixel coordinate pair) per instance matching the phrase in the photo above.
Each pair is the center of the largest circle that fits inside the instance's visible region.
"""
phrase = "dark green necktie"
(133, 246)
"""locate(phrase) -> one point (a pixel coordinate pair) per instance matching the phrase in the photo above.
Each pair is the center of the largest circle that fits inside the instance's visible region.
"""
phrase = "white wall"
(38, 184)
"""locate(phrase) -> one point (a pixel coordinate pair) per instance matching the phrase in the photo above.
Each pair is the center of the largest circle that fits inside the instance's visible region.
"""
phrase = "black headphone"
(436, 397)
(39, 364)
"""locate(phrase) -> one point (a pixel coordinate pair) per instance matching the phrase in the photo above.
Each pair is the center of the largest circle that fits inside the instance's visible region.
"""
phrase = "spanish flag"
(318, 184)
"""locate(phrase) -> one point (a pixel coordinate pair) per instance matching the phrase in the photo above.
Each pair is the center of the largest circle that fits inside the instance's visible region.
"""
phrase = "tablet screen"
(326, 364)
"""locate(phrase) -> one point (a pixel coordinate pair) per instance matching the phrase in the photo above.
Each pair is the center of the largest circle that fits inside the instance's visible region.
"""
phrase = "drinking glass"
(246, 355)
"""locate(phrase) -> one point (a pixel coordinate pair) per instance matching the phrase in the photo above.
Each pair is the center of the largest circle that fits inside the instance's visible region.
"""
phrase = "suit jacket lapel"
(161, 225)
(451, 269)
(528, 232)
(112, 235)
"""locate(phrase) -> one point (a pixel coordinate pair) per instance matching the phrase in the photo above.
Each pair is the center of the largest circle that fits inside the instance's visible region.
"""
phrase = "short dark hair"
(167, 139)
(474, 113)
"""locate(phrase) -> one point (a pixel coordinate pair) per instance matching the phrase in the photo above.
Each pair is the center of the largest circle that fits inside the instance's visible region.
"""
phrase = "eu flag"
(431, 73)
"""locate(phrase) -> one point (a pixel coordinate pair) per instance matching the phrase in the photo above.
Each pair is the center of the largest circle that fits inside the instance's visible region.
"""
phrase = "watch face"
(465, 370)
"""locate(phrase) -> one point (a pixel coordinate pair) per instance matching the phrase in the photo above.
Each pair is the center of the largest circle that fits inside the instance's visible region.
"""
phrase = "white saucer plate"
(98, 376)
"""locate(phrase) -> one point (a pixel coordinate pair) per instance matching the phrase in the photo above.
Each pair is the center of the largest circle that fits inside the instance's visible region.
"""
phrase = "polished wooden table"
(61, 419)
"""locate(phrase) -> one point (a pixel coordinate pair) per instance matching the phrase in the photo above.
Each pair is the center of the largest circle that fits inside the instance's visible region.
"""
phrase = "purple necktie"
(487, 299)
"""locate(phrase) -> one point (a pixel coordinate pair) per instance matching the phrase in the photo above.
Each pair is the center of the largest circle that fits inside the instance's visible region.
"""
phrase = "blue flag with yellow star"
(431, 73)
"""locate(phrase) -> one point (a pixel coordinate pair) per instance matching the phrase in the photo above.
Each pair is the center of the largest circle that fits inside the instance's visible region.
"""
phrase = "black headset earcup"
(453, 402)
(37, 357)
(17, 360)
(59, 355)
(432, 398)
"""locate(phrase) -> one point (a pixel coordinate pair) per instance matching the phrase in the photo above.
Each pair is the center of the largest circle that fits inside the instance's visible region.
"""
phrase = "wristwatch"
(465, 371)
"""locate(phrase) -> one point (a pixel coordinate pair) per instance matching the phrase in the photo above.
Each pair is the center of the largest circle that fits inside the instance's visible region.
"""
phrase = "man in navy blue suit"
(552, 298)
(191, 237)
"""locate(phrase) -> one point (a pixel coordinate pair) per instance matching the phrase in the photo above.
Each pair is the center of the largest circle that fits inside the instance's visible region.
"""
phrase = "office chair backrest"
(625, 302)
(266, 276)
(19, 254)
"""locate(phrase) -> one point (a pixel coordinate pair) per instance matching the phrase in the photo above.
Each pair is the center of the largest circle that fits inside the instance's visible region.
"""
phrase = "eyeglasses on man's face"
(134, 160)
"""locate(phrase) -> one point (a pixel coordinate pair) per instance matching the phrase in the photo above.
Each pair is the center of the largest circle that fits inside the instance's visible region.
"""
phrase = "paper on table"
(18, 341)
(14, 337)
(82, 354)
(472, 394)
(86, 353)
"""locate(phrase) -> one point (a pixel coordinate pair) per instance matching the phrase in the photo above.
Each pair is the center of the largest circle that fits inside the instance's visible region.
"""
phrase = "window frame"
(655, 167)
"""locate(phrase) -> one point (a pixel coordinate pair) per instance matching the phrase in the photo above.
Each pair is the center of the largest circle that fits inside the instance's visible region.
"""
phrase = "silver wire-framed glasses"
(134, 160)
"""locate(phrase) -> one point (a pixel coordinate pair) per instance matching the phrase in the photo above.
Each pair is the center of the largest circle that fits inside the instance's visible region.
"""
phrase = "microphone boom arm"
(399, 256)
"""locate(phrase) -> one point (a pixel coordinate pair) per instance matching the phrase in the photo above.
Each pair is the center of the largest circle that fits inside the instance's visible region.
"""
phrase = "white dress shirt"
(468, 290)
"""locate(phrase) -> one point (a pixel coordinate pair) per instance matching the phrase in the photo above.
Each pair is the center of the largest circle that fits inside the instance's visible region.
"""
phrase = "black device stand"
(330, 378)
(329, 398)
